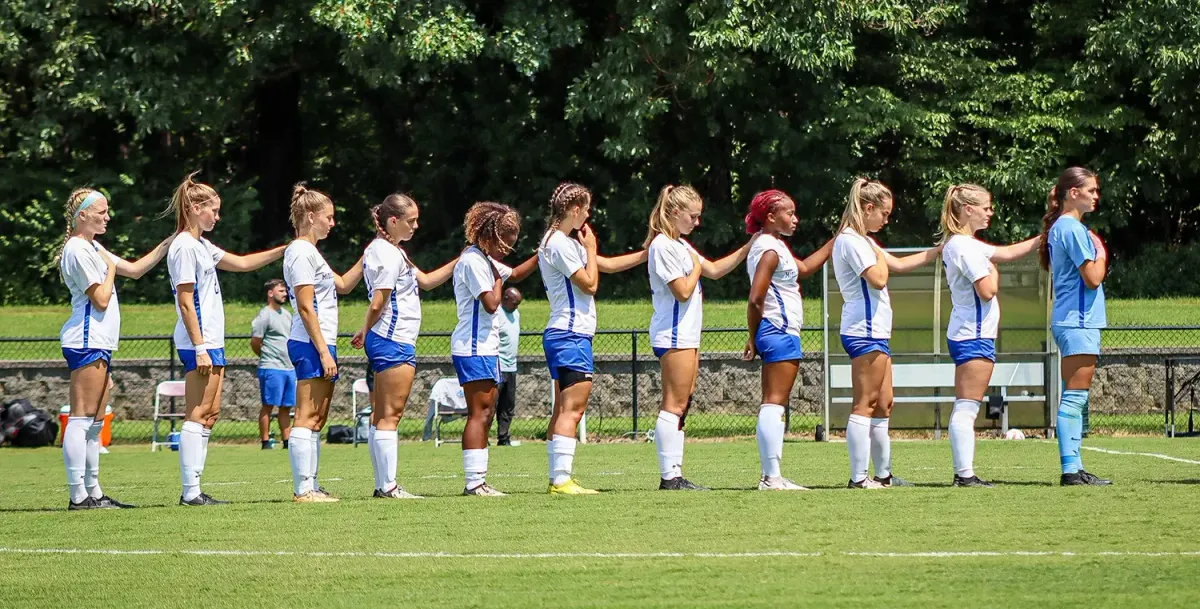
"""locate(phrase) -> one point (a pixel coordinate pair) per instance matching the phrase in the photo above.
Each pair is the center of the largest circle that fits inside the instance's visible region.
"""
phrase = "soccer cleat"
(570, 487)
(314, 497)
(679, 484)
(865, 483)
(1072, 480)
(971, 481)
(202, 499)
(1093, 480)
(891, 481)
(87, 504)
(397, 492)
(778, 483)
(484, 490)
(108, 502)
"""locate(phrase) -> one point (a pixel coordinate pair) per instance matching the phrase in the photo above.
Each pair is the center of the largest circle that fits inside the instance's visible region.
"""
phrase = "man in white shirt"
(510, 337)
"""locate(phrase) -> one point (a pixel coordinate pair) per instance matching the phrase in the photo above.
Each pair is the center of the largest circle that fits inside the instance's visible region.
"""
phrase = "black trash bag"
(23, 425)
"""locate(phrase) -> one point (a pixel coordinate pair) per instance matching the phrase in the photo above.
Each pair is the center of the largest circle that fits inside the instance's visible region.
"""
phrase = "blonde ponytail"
(957, 198)
(671, 200)
(188, 193)
(862, 193)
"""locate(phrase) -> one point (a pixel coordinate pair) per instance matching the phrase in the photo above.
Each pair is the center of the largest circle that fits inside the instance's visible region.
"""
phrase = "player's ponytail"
(958, 198)
(1073, 177)
(671, 200)
(862, 193)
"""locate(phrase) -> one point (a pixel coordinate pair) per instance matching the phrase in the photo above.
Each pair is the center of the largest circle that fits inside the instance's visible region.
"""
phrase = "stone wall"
(1125, 384)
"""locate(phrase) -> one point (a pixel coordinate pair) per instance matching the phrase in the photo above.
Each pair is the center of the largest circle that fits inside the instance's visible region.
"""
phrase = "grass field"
(1025, 542)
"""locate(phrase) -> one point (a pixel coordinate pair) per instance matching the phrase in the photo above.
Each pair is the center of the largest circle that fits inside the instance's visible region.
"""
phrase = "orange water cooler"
(105, 432)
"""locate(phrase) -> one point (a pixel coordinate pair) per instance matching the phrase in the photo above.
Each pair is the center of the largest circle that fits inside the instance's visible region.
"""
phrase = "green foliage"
(456, 101)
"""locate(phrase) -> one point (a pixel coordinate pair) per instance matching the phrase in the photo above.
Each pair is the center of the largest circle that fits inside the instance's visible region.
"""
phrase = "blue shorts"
(568, 350)
(78, 358)
(471, 368)
(188, 357)
(383, 353)
(856, 346)
(963, 351)
(277, 387)
(307, 361)
(775, 345)
(1076, 341)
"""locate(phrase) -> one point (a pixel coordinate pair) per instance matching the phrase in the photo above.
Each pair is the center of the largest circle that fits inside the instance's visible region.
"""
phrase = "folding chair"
(359, 386)
(446, 403)
(166, 389)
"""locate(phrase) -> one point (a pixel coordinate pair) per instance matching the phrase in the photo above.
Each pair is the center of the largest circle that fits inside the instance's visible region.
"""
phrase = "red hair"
(761, 206)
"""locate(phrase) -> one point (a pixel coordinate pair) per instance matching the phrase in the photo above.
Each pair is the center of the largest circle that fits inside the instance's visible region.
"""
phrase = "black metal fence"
(1144, 384)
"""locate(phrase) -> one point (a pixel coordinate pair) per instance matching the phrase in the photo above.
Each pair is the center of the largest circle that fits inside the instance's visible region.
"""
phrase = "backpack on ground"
(23, 425)
(340, 434)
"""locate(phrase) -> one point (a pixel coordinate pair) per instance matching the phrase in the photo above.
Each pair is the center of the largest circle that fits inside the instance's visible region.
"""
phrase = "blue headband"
(92, 197)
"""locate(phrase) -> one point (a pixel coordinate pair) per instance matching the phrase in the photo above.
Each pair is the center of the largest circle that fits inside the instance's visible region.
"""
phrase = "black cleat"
(203, 499)
(1072, 480)
(972, 481)
(108, 502)
(1093, 480)
(266, 444)
(891, 481)
(865, 483)
(87, 504)
(679, 484)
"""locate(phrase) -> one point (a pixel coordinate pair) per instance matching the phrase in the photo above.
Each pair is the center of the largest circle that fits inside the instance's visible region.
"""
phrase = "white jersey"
(866, 312)
(783, 307)
(675, 325)
(82, 267)
(304, 265)
(194, 261)
(386, 266)
(968, 260)
(559, 257)
(477, 331)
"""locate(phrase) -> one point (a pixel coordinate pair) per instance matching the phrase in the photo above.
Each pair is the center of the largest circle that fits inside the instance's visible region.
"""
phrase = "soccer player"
(570, 269)
(774, 317)
(193, 262)
(862, 268)
(390, 330)
(312, 345)
(89, 337)
(276, 377)
(975, 317)
(492, 230)
(1077, 261)
(675, 268)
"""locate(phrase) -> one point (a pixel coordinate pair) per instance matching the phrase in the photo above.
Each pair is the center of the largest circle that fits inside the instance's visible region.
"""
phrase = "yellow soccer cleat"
(571, 487)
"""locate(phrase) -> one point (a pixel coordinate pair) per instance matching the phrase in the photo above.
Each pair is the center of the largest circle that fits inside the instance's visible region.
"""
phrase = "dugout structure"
(921, 311)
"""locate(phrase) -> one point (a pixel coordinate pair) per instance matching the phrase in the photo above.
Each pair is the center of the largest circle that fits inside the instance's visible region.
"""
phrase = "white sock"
(191, 458)
(475, 464)
(881, 448)
(562, 458)
(858, 443)
(75, 455)
(668, 438)
(205, 434)
(389, 443)
(314, 460)
(91, 468)
(551, 460)
(373, 449)
(962, 436)
(300, 450)
(770, 438)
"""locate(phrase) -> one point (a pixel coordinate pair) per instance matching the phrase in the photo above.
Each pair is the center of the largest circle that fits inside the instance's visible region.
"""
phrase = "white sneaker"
(484, 490)
(778, 483)
(397, 492)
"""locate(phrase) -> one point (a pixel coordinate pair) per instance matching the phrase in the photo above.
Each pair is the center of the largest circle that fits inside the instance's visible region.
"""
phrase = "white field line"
(1109, 451)
(603, 555)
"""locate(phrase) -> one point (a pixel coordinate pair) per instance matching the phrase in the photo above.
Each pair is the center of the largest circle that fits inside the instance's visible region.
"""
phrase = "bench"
(938, 379)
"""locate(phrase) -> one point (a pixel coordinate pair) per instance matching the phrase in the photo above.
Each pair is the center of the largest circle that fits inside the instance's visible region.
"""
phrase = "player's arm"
(721, 267)
(624, 262)
(436, 277)
(250, 262)
(1008, 253)
(139, 267)
(758, 298)
(806, 267)
(912, 261)
(345, 283)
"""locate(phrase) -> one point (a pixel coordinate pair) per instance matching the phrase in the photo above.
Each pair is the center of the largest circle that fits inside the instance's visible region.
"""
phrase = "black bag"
(340, 434)
(23, 425)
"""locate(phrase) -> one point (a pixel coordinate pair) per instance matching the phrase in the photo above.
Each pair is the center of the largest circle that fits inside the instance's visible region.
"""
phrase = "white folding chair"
(359, 386)
(446, 403)
(165, 389)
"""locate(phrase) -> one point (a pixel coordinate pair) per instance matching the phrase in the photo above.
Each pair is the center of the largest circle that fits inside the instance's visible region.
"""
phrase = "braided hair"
(69, 211)
(488, 222)
(566, 197)
(393, 206)
(762, 205)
